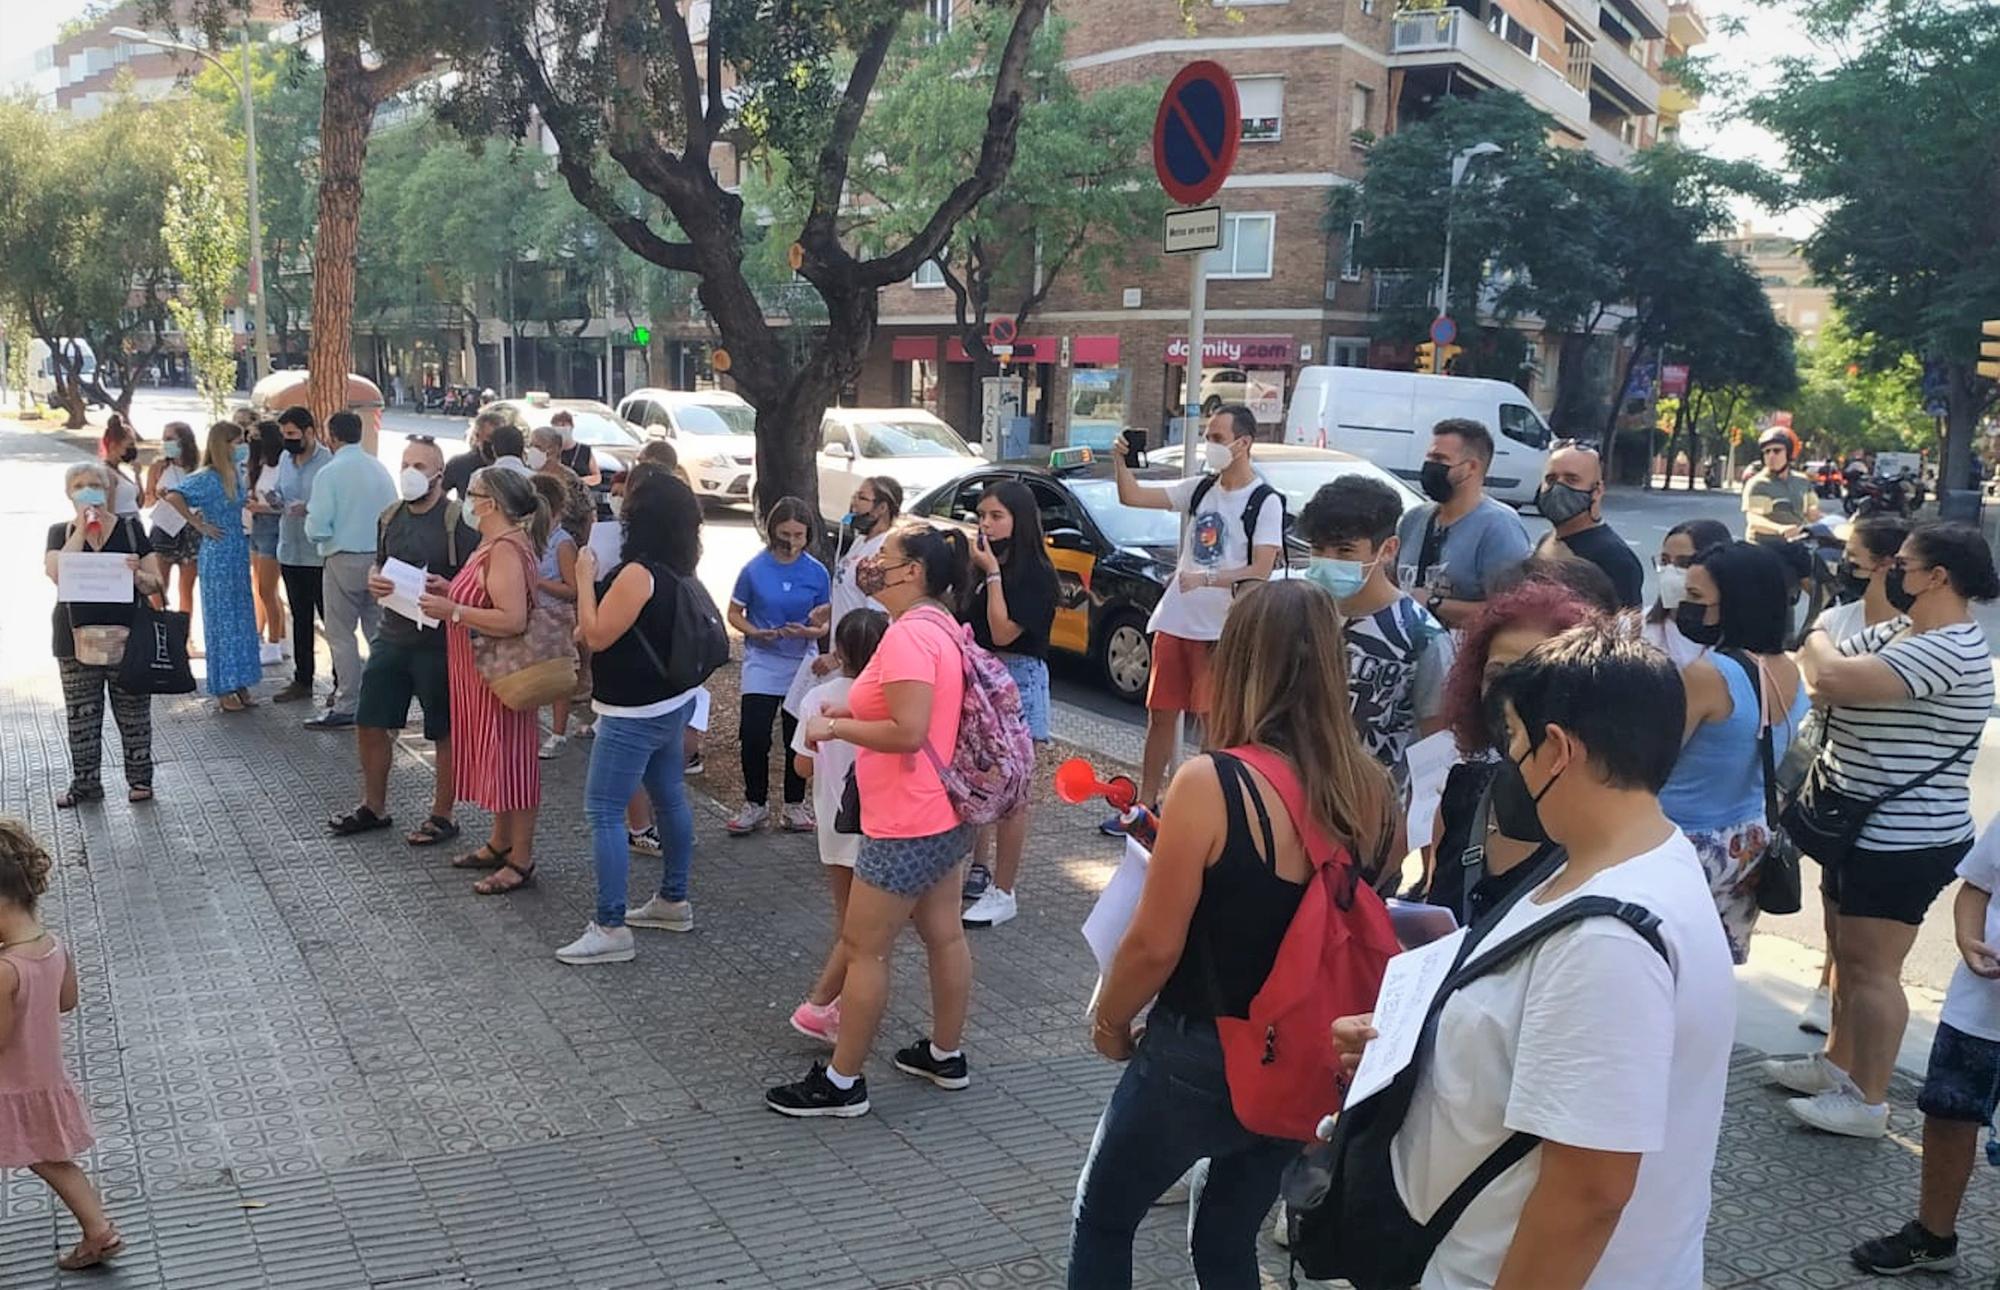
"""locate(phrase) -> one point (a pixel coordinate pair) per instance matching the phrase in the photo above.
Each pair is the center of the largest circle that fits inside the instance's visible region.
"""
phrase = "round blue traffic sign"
(1443, 330)
(1196, 132)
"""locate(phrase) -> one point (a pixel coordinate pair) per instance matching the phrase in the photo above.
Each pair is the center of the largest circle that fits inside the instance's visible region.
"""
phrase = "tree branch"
(1049, 275)
(680, 47)
(396, 75)
(830, 173)
(718, 112)
(996, 154)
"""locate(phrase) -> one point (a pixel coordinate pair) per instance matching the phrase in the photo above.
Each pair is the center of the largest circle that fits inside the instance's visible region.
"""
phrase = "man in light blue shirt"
(299, 561)
(343, 519)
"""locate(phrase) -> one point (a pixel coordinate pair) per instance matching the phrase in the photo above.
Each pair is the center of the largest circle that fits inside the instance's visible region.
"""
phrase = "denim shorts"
(264, 536)
(1963, 1079)
(909, 867)
(1031, 678)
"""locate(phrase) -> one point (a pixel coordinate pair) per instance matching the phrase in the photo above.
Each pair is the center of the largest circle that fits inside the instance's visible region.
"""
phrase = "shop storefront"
(1076, 379)
(1257, 371)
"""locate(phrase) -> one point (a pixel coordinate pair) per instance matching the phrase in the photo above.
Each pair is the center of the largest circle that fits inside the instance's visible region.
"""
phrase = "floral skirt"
(1729, 859)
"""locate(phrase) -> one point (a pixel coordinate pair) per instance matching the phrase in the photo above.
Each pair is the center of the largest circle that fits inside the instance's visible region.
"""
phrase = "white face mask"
(1673, 587)
(1218, 456)
(536, 459)
(415, 484)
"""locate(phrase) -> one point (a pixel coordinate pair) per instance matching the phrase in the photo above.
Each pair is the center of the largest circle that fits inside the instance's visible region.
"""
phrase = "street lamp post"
(261, 341)
(1458, 167)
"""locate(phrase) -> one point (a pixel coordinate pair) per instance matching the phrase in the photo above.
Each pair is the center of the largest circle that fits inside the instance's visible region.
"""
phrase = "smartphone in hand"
(1135, 447)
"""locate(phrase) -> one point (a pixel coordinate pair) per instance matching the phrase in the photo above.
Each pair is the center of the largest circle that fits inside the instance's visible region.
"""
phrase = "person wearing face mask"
(89, 641)
(458, 471)
(118, 449)
(1450, 547)
(1871, 544)
(781, 605)
(1235, 534)
(407, 661)
(871, 512)
(1907, 706)
(578, 512)
(1607, 1045)
(1572, 499)
(1397, 654)
(1735, 608)
(1684, 541)
(342, 518)
(211, 499)
(582, 462)
(262, 512)
(1010, 608)
(182, 550)
(300, 565)
(1486, 847)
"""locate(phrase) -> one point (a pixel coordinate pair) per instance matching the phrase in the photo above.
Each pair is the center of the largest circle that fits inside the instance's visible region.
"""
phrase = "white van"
(1387, 418)
(42, 363)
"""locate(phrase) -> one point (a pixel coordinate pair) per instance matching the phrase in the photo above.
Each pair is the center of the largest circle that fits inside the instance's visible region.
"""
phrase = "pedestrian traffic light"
(1426, 358)
(1989, 349)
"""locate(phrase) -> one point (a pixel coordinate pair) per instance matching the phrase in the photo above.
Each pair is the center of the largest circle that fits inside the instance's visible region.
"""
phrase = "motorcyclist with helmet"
(1779, 502)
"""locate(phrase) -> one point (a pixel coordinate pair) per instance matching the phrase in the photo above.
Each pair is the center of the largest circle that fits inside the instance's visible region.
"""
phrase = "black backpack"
(1345, 1216)
(1250, 510)
(697, 643)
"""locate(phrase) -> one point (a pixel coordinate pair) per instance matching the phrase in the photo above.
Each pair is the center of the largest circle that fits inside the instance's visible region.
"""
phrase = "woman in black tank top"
(1225, 878)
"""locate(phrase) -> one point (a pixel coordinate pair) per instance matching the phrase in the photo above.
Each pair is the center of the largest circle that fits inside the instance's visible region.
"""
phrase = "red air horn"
(1077, 782)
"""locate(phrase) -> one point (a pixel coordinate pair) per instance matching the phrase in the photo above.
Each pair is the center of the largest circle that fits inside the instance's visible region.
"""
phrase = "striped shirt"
(1875, 748)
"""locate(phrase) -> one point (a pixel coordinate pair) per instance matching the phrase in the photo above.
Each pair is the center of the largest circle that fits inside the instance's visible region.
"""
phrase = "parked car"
(1298, 473)
(613, 441)
(1220, 385)
(1387, 418)
(712, 432)
(909, 445)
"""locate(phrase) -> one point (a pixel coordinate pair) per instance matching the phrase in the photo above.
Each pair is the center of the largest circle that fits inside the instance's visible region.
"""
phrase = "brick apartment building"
(1317, 79)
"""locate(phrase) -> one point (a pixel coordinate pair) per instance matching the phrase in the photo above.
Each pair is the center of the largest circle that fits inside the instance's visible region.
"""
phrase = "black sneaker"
(917, 1060)
(1911, 1250)
(977, 879)
(815, 1096)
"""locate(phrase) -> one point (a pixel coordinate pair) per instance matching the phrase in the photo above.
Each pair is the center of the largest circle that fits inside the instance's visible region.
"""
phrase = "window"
(1350, 265)
(1347, 351)
(939, 12)
(832, 433)
(1361, 109)
(1263, 105)
(928, 274)
(1246, 247)
(1523, 424)
(962, 503)
(1508, 28)
(1056, 510)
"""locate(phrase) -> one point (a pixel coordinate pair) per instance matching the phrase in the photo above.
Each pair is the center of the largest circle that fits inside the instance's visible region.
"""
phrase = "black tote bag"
(156, 653)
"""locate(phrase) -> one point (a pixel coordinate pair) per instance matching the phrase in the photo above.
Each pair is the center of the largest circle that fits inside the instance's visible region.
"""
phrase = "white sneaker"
(597, 945)
(1817, 1016)
(748, 820)
(552, 747)
(799, 819)
(1842, 1111)
(990, 910)
(695, 767)
(662, 914)
(1808, 1075)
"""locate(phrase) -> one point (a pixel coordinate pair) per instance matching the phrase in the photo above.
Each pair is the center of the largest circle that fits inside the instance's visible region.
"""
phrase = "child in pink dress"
(43, 1127)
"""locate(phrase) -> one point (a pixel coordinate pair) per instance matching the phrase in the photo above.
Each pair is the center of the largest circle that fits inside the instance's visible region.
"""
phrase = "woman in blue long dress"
(212, 500)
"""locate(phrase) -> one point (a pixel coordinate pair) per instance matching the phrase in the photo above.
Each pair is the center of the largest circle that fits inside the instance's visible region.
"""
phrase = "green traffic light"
(640, 335)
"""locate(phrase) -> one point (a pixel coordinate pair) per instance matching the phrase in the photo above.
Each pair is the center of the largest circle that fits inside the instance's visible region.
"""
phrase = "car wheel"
(1211, 405)
(1125, 654)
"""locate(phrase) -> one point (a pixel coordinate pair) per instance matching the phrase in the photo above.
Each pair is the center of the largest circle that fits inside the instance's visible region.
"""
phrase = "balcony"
(1454, 37)
(1676, 98)
(1621, 78)
(1685, 25)
(1608, 147)
(1648, 18)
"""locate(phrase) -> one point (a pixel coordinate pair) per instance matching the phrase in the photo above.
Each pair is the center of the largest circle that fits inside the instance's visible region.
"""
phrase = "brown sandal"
(487, 886)
(90, 1252)
(484, 858)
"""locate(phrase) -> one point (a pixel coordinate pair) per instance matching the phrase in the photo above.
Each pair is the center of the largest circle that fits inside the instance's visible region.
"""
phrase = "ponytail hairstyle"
(519, 502)
(944, 554)
(888, 492)
(857, 638)
(112, 445)
(24, 865)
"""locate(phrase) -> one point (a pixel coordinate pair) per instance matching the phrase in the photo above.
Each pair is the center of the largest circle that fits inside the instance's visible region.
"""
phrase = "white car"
(712, 430)
(1220, 385)
(909, 445)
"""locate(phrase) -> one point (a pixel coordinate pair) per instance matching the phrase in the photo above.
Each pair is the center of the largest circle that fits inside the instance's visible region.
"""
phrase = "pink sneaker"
(815, 1022)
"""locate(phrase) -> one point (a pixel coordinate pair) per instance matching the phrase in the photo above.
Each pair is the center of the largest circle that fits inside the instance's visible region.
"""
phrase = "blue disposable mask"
(170, 449)
(241, 453)
(1343, 578)
(88, 496)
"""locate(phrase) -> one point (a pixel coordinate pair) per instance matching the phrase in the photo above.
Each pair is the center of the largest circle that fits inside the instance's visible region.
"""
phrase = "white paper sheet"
(607, 543)
(1112, 913)
(1429, 759)
(94, 577)
(409, 581)
(1408, 987)
(164, 519)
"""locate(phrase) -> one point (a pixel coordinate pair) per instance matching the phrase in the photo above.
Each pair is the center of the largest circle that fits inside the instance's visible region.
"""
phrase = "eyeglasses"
(1580, 445)
(420, 438)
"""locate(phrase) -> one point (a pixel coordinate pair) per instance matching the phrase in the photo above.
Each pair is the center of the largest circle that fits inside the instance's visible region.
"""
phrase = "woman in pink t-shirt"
(902, 717)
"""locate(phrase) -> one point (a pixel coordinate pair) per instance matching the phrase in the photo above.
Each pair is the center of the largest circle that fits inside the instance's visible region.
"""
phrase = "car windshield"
(1125, 525)
(912, 438)
(714, 418)
(599, 429)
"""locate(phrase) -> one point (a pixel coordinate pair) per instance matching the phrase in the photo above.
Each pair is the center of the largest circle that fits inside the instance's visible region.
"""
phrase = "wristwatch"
(1436, 599)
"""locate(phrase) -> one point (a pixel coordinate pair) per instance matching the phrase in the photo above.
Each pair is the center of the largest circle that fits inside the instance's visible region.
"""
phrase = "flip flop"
(484, 858)
(359, 820)
(485, 887)
(89, 1253)
(436, 829)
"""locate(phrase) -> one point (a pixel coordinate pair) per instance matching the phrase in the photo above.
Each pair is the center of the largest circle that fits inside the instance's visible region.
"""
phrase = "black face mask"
(999, 547)
(1435, 480)
(1853, 586)
(130, 454)
(1689, 617)
(1900, 597)
(862, 522)
(295, 444)
(1515, 809)
(1561, 503)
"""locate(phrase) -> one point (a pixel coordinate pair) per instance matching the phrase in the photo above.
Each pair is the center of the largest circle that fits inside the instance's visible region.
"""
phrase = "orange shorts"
(1180, 681)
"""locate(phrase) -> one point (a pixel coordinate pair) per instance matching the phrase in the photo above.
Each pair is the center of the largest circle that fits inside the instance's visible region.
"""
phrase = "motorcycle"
(1879, 495)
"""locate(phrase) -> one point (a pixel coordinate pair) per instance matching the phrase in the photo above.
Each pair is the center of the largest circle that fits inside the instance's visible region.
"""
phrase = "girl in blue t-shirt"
(781, 605)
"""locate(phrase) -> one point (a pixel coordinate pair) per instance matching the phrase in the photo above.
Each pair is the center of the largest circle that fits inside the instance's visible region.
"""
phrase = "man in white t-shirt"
(1614, 1057)
(1219, 551)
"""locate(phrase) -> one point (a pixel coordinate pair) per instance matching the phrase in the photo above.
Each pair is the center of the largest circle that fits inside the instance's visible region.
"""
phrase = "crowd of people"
(1601, 748)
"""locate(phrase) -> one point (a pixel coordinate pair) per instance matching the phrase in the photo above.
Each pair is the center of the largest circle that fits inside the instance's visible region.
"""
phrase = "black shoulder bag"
(1824, 822)
(1779, 889)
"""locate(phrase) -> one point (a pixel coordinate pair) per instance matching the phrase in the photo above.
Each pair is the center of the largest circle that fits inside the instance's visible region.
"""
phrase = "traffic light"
(1448, 358)
(1989, 349)
(1426, 358)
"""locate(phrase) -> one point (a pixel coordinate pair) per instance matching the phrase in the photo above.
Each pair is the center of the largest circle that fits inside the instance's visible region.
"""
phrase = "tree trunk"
(1962, 411)
(1572, 406)
(345, 113)
(788, 421)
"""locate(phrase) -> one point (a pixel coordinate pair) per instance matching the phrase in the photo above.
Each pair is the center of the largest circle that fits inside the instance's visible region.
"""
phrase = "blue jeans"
(1170, 1110)
(627, 752)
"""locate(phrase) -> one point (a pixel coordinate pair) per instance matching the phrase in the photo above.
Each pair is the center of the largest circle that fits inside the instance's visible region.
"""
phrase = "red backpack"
(1283, 1075)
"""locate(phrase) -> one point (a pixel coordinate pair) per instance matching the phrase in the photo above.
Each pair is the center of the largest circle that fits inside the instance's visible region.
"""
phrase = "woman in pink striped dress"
(493, 747)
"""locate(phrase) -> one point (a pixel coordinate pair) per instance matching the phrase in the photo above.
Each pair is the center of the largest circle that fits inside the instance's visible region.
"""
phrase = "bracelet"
(992, 578)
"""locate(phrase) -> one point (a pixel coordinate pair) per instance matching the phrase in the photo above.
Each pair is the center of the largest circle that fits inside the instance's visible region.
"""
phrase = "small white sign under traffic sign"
(1197, 229)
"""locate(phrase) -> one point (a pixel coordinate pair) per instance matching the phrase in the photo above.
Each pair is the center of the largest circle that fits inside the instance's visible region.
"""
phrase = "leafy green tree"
(1736, 351)
(204, 237)
(1851, 398)
(1893, 141)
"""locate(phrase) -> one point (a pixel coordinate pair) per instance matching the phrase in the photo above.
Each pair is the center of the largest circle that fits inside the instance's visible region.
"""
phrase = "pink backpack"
(987, 777)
